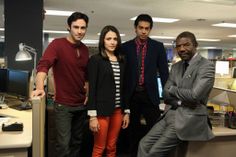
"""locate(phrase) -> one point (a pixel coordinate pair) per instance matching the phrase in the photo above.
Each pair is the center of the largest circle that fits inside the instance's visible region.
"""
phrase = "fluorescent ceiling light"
(168, 37)
(208, 47)
(230, 25)
(232, 36)
(122, 35)
(1, 29)
(2, 37)
(164, 20)
(89, 41)
(211, 40)
(85, 41)
(161, 37)
(58, 12)
(57, 32)
(224, 2)
(168, 44)
(159, 19)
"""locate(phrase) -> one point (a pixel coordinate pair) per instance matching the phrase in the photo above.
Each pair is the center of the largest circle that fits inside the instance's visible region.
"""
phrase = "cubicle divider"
(223, 145)
(38, 111)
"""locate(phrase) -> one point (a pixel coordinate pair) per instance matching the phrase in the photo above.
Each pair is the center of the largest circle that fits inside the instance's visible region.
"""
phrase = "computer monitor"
(222, 67)
(18, 83)
(170, 54)
(160, 88)
(3, 80)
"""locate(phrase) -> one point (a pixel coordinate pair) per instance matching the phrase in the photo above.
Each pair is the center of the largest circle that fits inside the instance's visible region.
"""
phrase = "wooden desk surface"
(220, 131)
(17, 139)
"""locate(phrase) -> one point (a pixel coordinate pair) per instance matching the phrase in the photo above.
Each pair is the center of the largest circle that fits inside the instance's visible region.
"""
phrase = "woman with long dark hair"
(106, 107)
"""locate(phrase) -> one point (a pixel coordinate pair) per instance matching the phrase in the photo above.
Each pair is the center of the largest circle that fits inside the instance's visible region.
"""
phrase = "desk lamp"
(24, 55)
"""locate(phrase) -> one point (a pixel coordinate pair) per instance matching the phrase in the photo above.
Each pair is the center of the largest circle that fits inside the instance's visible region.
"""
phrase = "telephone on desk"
(12, 127)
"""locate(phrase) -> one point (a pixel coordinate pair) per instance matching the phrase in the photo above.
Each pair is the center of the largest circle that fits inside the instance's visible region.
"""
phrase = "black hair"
(189, 35)
(101, 45)
(75, 16)
(143, 17)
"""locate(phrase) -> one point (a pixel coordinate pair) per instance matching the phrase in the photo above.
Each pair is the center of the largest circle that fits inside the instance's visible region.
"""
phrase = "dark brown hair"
(101, 45)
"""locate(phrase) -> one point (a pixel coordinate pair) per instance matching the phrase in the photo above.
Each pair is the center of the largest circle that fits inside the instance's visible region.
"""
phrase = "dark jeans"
(70, 123)
(141, 105)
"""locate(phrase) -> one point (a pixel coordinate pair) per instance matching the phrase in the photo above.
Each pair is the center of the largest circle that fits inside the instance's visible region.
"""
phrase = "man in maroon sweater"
(68, 58)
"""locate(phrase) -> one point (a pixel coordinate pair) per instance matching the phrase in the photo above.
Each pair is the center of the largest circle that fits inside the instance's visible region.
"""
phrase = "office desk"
(223, 145)
(16, 143)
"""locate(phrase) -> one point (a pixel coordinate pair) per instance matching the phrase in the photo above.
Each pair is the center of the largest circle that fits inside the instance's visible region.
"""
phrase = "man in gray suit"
(186, 93)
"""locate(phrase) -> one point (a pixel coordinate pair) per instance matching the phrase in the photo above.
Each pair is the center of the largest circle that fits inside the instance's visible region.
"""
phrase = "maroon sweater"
(69, 70)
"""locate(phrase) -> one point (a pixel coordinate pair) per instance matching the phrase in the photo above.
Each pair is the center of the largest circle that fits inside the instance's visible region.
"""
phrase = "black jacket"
(102, 85)
(155, 61)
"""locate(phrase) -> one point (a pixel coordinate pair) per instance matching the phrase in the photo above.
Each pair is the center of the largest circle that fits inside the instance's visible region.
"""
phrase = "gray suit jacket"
(192, 89)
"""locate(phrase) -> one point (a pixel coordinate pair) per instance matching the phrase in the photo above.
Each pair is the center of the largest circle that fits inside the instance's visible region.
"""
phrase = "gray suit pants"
(161, 139)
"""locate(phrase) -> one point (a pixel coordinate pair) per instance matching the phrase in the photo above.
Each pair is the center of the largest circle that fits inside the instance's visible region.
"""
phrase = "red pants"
(107, 136)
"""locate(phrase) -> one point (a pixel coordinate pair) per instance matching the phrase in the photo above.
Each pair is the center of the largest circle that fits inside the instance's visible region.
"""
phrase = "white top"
(116, 73)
